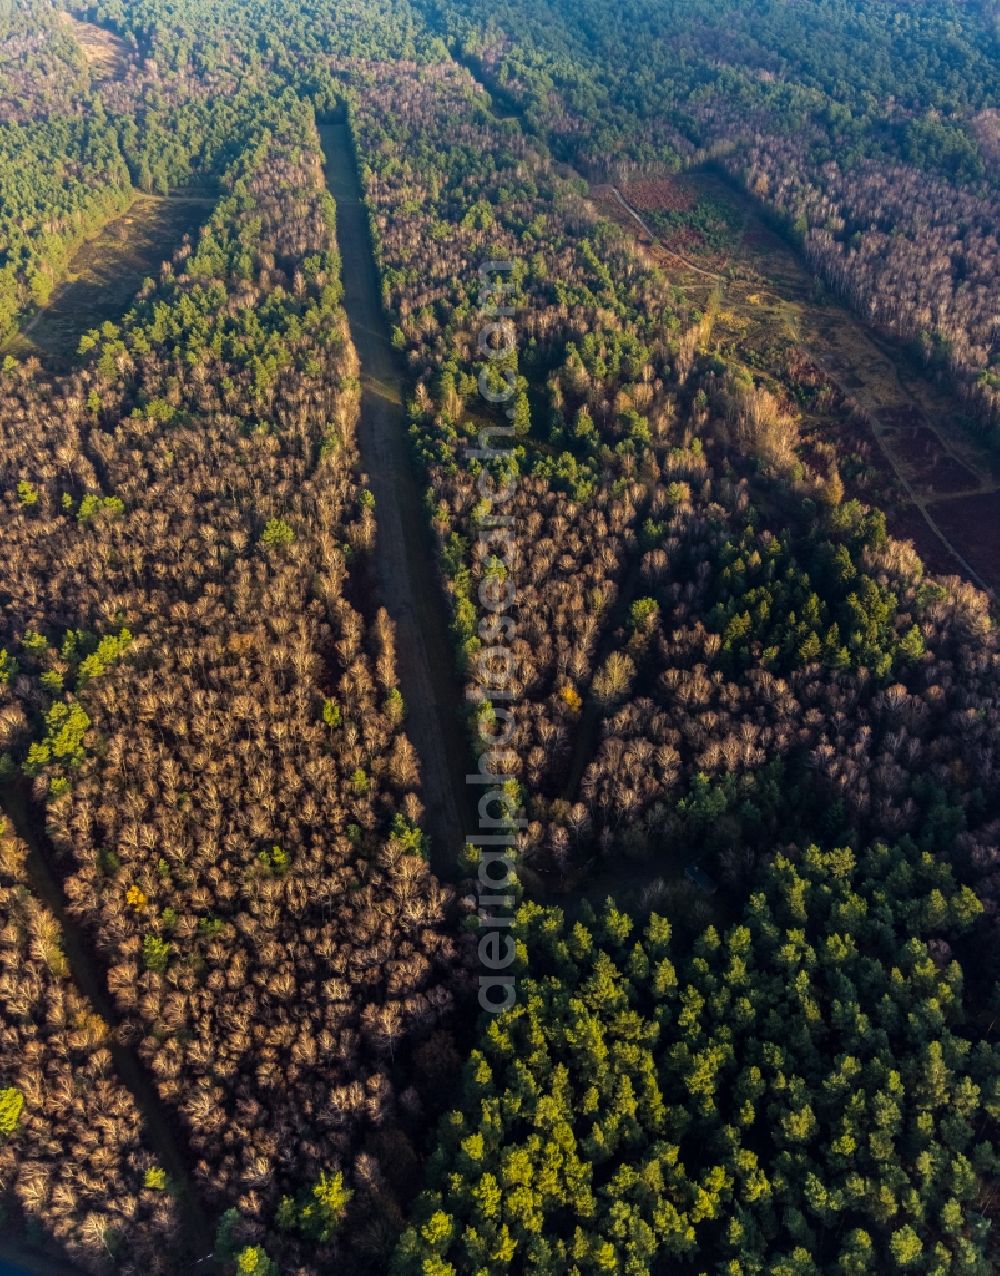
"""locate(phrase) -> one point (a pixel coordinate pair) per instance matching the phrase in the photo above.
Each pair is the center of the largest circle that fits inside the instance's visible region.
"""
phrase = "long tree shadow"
(91, 977)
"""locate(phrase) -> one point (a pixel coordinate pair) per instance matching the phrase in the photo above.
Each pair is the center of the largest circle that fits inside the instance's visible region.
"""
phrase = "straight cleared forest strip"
(408, 585)
(106, 272)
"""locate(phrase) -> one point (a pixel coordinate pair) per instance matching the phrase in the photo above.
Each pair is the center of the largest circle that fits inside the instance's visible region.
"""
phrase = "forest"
(747, 738)
(863, 129)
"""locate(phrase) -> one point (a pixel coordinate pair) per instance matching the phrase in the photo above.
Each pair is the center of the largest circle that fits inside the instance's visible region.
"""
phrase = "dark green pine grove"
(799, 1093)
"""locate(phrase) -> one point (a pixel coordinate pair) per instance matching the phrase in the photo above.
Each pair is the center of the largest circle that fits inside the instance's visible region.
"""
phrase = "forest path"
(406, 577)
(90, 976)
(654, 238)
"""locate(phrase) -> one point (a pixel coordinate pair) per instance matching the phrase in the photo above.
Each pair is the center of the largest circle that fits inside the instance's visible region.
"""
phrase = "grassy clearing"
(769, 314)
(106, 272)
(106, 54)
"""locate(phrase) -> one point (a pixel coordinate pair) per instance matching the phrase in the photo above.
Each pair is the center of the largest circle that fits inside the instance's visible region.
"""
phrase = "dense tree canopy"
(801, 1093)
(736, 702)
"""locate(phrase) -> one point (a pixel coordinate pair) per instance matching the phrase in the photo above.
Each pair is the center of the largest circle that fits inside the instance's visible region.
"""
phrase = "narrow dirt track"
(407, 581)
(689, 265)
